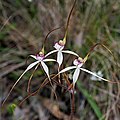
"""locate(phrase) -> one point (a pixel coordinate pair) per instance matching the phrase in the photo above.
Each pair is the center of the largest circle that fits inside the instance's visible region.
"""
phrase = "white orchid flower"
(78, 63)
(59, 46)
(40, 58)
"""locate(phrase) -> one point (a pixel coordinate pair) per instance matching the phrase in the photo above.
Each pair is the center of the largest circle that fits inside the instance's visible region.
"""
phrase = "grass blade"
(90, 100)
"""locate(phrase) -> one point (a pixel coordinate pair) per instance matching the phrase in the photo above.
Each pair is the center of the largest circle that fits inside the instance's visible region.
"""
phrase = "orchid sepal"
(49, 60)
(33, 56)
(51, 52)
(45, 68)
(28, 68)
(94, 74)
(67, 69)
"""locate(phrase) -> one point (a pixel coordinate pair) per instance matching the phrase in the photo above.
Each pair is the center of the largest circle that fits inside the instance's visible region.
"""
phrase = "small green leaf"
(11, 108)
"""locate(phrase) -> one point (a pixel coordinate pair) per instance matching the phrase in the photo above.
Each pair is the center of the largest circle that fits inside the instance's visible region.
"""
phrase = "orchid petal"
(92, 73)
(51, 52)
(59, 57)
(47, 60)
(28, 68)
(45, 68)
(47, 72)
(31, 66)
(33, 56)
(70, 52)
(76, 75)
(67, 69)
